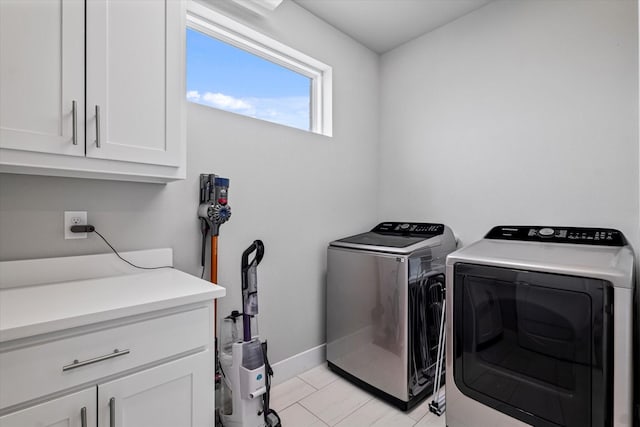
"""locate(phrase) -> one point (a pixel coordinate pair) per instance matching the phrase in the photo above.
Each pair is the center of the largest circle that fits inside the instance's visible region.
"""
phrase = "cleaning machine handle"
(256, 246)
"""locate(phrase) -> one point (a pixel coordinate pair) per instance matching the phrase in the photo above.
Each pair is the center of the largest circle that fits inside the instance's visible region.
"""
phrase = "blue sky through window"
(225, 77)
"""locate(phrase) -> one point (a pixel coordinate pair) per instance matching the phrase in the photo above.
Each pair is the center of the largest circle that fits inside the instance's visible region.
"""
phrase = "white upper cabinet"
(42, 76)
(130, 124)
(134, 79)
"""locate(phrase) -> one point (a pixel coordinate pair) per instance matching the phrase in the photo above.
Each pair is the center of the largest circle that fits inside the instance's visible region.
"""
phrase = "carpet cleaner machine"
(243, 359)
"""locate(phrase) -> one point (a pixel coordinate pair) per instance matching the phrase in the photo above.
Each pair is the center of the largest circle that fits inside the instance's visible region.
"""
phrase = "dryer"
(385, 293)
(539, 329)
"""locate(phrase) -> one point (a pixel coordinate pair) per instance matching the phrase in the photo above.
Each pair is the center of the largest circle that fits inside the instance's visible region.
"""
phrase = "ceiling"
(382, 25)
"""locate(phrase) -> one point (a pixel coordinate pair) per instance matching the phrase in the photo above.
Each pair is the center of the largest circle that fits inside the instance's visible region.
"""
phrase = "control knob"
(546, 232)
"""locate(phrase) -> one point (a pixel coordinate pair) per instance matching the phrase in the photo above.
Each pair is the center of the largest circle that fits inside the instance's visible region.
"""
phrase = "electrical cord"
(118, 255)
(274, 421)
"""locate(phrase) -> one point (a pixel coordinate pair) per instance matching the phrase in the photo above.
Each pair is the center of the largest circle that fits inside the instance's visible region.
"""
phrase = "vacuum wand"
(250, 285)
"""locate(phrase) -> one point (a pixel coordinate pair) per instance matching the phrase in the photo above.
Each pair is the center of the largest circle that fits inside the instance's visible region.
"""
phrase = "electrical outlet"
(74, 218)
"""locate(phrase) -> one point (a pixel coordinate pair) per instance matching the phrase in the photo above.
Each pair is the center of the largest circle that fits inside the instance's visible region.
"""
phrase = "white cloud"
(288, 111)
(226, 102)
(193, 96)
(219, 100)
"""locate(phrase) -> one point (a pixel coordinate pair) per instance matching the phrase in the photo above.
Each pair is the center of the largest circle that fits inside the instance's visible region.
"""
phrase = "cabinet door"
(135, 77)
(178, 393)
(65, 411)
(41, 75)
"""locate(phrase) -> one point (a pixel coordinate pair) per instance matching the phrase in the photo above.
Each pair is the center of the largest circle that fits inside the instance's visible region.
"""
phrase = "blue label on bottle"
(259, 377)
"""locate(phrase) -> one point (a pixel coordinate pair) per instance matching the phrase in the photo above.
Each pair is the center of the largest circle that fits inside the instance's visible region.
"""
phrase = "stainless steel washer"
(385, 290)
(539, 329)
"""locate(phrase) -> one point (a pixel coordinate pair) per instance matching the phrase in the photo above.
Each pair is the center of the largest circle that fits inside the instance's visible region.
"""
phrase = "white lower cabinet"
(170, 395)
(74, 410)
(154, 369)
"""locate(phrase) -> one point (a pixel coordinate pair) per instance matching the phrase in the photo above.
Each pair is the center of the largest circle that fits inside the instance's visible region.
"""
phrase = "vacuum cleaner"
(213, 211)
(245, 368)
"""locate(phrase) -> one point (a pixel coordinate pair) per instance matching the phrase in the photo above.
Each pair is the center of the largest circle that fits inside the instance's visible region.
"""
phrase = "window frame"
(227, 30)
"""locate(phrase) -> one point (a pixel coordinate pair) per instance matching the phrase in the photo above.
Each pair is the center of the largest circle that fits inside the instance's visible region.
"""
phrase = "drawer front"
(31, 372)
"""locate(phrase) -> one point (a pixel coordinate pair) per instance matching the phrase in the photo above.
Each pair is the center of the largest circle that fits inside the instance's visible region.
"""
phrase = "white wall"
(522, 112)
(294, 190)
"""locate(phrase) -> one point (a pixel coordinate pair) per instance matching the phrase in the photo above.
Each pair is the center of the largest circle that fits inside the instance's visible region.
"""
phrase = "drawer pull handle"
(83, 416)
(112, 412)
(76, 363)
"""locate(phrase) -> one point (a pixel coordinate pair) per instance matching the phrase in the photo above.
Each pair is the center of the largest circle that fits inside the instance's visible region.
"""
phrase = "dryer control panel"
(575, 235)
(409, 228)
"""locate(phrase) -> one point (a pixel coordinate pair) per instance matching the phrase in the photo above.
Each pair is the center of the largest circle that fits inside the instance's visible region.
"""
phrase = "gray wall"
(294, 190)
(522, 112)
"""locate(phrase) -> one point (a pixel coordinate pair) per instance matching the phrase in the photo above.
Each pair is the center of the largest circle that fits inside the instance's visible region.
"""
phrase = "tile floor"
(320, 398)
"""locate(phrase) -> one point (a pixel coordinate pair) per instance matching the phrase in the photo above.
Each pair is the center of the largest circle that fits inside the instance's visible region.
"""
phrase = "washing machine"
(539, 329)
(385, 293)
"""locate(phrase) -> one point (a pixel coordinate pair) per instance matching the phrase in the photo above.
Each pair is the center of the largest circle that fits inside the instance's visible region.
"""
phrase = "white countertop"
(32, 310)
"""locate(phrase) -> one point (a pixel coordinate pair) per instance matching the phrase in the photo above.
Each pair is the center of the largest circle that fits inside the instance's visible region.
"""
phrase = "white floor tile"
(320, 398)
(296, 416)
(432, 420)
(336, 401)
(423, 408)
(376, 413)
(288, 393)
(319, 377)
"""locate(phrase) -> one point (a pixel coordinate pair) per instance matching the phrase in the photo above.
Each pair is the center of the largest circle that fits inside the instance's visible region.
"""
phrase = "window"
(234, 68)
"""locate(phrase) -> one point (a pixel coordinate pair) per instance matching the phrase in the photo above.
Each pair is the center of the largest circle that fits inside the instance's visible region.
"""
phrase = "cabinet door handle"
(76, 363)
(83, 417)
(112, 412)
(97, 126)
(74, 117)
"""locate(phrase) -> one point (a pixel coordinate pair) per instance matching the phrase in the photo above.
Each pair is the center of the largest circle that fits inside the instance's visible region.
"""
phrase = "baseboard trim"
(299, 363)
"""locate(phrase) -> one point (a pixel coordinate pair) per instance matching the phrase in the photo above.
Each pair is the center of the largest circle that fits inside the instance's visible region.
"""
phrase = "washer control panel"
(409, 228)
(575, 235)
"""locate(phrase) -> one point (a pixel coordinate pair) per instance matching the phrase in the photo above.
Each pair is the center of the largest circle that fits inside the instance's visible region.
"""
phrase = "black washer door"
(534, 345)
